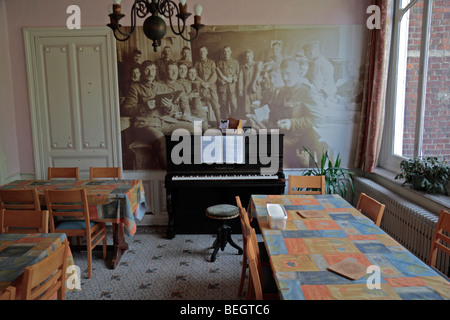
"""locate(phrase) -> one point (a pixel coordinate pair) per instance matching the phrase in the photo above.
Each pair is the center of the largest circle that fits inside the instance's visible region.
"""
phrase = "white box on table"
(277, 216)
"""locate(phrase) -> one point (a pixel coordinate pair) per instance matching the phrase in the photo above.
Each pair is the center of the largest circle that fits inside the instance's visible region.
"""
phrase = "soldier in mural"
(198, 107)
(206, 71)
(296, 102)
(133, 75)
(321, 72)
(182, 76)
(227, 77)
(161, 63)
(186, 56)
(249, 82)
(129, 70)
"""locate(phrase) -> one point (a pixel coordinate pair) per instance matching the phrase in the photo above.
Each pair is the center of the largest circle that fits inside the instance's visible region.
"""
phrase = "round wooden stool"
(223, 212)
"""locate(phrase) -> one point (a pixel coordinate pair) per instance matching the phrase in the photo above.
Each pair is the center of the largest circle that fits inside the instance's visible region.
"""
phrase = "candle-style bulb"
(110, 9)
(183, 7)
(117, 1)
(198, 9)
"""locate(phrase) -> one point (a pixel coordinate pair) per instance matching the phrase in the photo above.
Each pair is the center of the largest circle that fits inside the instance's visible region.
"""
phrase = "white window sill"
(432, 202)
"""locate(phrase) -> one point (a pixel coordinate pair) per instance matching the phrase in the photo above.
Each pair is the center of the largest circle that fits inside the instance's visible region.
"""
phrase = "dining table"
(328, 250)
(119, 202)
(18, 251)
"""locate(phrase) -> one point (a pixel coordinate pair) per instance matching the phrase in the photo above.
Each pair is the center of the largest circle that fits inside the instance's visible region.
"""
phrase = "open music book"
(223, 149)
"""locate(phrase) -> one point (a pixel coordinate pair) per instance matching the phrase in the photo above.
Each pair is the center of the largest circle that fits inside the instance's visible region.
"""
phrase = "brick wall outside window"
(436, 138)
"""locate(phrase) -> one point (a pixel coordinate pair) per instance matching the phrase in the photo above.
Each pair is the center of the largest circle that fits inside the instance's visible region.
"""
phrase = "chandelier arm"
(125, 38)
(180, 31)
(133, 24)
(166, 8)
(140, 8)
(191, 38)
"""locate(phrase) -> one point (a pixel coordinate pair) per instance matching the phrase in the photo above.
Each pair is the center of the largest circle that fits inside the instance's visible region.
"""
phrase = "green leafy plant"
(426, 173)
(336, 177)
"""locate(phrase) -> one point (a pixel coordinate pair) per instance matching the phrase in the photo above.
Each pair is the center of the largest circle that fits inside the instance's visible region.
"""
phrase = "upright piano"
(207, 170)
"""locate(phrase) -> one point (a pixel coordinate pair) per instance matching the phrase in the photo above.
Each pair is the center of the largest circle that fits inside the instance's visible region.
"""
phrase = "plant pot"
(417, 182)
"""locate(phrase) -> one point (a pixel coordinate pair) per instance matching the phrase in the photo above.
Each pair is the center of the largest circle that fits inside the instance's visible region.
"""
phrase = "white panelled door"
(73, 98)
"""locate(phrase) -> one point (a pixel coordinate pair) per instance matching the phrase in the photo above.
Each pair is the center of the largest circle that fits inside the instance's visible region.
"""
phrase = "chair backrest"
(25, 199)
(371, 208)
(238, 202)
(110, 172)
(8, 293)
(63, 173)
(254, 264)
(245, 221)
(43, 279)
(306, 182)
(23, 221)
(67, 203)
(440, 241)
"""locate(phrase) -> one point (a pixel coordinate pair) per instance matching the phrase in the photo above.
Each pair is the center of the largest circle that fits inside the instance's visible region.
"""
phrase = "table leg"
(119, 243)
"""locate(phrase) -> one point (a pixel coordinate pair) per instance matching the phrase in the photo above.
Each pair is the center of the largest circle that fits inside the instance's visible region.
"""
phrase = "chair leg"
(243, 273)
(104, 246)
(89, 256)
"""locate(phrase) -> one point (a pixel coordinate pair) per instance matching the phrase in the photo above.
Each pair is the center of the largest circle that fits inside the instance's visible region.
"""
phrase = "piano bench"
(223, 212)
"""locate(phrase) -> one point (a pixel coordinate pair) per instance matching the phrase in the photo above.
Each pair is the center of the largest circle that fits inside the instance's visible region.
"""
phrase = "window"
(418, 108)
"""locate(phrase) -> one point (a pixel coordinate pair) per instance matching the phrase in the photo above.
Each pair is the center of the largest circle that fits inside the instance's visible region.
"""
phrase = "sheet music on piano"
(227, 149)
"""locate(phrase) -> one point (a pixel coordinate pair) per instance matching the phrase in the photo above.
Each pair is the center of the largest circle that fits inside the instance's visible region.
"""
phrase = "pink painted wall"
(52, 13)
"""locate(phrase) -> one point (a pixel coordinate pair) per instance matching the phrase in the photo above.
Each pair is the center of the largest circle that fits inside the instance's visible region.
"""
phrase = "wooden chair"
(442, 226)
(26, 199)
(8, 294)
(63, 173)
(306, 182)
(23, 221)
(46, 277)
(110, 172)
(371, 208)
(245, 227)
(261, 284)
(73, 203)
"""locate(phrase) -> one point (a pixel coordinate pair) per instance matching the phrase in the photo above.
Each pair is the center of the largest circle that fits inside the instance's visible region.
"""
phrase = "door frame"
(30, 36)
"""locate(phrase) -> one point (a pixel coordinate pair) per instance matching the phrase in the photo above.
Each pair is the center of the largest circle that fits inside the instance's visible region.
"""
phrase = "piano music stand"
(223, 212)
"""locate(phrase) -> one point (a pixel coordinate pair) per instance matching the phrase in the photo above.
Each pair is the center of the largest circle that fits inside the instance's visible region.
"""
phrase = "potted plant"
(336, 177)
(426, 173)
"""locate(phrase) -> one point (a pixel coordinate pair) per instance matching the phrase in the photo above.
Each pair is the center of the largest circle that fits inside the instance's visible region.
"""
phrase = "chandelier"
(154, 26)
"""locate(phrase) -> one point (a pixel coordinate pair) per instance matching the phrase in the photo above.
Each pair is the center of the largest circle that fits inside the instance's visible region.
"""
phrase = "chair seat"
(73, 224)
(222, 211)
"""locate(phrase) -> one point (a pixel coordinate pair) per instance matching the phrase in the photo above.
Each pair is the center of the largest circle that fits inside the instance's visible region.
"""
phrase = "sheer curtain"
(375, 86)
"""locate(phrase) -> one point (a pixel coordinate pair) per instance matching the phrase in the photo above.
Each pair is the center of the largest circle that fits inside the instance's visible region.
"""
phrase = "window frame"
(388, 159)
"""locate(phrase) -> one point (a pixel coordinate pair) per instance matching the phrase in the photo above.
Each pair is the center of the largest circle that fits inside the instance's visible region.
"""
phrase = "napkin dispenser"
(277, 216)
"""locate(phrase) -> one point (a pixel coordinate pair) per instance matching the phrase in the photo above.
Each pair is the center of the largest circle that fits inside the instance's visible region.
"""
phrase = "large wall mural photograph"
(305, 81)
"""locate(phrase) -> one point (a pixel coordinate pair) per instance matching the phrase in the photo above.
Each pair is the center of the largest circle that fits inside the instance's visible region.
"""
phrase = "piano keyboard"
(225, 177)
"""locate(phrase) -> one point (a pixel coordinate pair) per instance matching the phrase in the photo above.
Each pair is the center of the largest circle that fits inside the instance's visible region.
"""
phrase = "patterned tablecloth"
(18, 251)
(109, 200)
(301, 253)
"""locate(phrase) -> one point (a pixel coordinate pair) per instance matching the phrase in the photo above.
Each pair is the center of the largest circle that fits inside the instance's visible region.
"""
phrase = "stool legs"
(223, 237)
